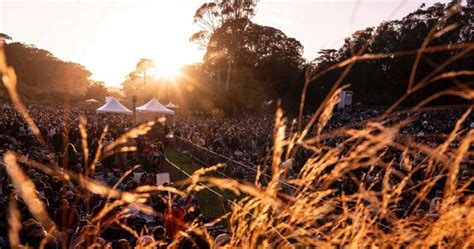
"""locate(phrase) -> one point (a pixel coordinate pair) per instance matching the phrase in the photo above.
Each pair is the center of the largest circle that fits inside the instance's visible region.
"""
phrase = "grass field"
(212, 205)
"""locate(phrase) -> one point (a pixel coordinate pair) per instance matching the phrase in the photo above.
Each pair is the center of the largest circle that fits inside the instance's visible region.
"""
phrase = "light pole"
(134, 100)
(144, 79)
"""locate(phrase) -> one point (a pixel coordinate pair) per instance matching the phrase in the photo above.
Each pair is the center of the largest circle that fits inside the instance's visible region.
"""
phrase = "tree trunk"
(219, 76)
(229, 68)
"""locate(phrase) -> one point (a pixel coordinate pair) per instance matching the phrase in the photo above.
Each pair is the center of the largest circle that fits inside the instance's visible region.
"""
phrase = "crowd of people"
(246, 139)
(71, 206)
(244, 142)
(249, 138)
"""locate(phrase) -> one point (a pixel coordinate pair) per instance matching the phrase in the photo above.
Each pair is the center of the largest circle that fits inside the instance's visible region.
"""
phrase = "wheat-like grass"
(315, 214)
(14, 221)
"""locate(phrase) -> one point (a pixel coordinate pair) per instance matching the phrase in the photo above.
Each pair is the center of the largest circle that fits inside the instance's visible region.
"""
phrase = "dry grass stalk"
(14, 223)
(315, 214)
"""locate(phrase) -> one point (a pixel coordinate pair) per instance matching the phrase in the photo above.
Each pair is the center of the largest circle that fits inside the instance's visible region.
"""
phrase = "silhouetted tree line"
(42, 77)
(246, 64)
(385, 80)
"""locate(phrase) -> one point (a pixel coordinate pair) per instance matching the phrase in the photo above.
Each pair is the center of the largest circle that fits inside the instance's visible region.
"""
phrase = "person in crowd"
(66, 217)
(145, 242)
(123, 244)
(175, 221)
(160, 236)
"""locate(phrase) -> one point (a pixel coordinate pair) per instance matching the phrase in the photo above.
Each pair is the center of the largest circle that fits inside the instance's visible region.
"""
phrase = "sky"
(108, 37)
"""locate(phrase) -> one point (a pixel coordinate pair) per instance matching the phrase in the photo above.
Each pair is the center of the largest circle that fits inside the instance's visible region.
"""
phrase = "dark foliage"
(42, 77)
(246, 64)
(384, 81)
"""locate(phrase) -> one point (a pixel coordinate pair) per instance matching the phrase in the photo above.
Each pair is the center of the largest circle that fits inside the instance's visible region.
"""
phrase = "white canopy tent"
(114, 106)
(171, 105)
(92, 101)
(155, 107)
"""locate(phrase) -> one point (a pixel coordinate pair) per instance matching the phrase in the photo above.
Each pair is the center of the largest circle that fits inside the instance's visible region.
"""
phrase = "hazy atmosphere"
(107, 36)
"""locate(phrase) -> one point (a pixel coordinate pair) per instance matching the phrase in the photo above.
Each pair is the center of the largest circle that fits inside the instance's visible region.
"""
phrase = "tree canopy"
(384, 80)
(249, 63)
(42, 76)
(97, 90)
(213, 15)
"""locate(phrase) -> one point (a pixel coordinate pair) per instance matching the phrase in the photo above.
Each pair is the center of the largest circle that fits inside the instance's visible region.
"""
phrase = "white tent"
(153, 106)
(114, 106)
(172, 106)
(91, 101)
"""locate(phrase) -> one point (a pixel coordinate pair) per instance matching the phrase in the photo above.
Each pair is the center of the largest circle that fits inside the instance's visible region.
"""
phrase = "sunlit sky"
(109, 36)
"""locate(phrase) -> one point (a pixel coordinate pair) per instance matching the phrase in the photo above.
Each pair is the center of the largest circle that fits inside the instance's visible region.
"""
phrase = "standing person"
(66, 217)
(93, 149)
(160, 156)
(70, 156)
(120, 159)
(57, 140)
(155, 157)
(175, 221)
(108, 161)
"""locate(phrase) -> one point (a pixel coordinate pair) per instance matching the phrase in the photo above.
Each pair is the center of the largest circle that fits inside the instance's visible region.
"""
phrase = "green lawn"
(212, 206)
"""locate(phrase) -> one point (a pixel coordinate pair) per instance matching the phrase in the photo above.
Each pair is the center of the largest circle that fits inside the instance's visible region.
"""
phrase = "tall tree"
(260, 57)
(144, 85)
(212, 15)
(143, 65)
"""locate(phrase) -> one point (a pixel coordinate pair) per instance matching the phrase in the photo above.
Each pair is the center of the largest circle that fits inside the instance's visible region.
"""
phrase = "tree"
(385, 80)
(44, 77)
(136, 81)
(142, 66)
(264, 54)
(4, 37)
(244, 59)
(212, 15)
(139, 83)
(96, 90)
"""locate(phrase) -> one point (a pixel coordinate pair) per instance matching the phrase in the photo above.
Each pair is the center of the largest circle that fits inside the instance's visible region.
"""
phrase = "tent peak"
(114, 106)
(154, 106)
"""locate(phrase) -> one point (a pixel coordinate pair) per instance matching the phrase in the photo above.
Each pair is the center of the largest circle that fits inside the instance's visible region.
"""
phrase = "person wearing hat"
(222, 239)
